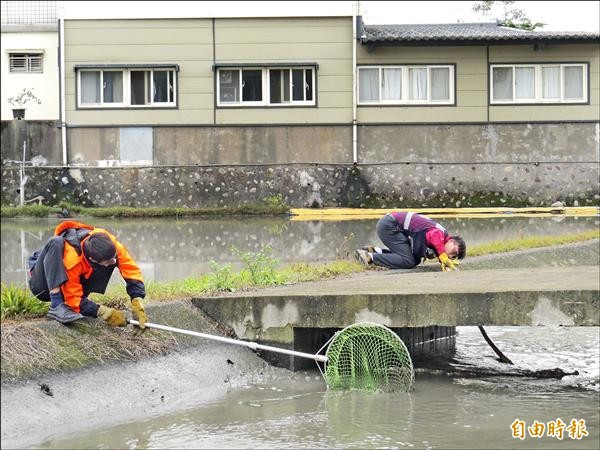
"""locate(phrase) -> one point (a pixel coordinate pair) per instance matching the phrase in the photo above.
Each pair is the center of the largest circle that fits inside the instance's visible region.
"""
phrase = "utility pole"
(23, 176)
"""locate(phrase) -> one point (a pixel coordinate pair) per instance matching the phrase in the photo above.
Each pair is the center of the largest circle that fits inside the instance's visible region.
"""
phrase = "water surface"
(168, 249)
(442, 412)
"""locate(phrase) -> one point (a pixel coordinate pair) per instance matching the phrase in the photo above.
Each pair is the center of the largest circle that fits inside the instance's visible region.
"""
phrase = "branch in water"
(501, 357)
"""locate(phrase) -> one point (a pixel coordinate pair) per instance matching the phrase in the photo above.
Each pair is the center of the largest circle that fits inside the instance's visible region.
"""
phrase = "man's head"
(455, 247)
(100, 249)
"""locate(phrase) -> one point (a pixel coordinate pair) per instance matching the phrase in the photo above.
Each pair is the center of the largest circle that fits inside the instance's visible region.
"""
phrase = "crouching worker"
(78, 260)
(410, 238)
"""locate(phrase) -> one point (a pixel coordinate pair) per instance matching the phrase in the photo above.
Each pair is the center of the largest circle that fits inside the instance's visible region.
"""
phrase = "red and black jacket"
(416, 227)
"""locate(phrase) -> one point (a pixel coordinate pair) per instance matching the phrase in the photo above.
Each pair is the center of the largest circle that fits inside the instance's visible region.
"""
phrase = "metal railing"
(29, 12)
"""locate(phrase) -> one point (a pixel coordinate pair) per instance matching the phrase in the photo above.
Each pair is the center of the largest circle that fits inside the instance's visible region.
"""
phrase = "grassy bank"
(512, 245)
(19, 304)
(271, 206)
(261, 270)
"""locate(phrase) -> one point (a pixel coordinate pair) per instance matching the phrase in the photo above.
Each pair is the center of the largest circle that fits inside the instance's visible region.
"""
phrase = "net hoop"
(368, 356)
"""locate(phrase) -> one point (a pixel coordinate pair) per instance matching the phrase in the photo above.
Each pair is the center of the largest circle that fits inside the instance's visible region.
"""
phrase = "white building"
(30, 42)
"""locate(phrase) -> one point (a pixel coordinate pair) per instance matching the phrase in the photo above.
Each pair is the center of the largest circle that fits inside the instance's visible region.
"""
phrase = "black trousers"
(399, 255)
(46, 268)
(47, 271)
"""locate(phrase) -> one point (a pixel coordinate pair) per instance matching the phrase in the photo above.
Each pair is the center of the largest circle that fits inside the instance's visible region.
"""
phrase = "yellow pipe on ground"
(362, 213)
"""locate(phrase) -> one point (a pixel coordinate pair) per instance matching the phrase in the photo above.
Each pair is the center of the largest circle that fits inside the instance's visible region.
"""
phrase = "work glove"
(446, 263)
(111, 316)
(139, 314)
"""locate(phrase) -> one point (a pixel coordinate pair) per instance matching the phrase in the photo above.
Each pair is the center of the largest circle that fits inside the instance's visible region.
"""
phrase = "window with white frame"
(538, 83)
(406, 85)
(266, 86)
(135, 87)
(26, 62)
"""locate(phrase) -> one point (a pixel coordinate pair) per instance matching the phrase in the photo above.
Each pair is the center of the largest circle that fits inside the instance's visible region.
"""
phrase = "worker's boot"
(63, 314)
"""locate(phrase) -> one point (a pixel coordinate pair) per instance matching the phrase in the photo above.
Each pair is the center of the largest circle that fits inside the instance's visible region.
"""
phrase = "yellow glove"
(111, 316)
(138, 312)
(446, 263)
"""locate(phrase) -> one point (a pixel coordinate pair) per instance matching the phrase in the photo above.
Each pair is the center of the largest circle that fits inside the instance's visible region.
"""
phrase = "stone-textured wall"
(398, 166)
(397, 185)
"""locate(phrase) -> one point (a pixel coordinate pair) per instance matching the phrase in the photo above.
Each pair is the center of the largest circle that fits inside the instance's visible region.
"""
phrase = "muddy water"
(443, 412)
(169, 249)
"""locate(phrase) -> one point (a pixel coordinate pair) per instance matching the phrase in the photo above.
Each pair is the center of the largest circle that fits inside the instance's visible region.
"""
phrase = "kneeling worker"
(411, 237)
(78, 260)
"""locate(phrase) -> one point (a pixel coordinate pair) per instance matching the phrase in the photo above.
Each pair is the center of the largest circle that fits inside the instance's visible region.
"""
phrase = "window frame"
(405, 86)
(266, 86)
(538, 84)
(29, 57)
(126, 71)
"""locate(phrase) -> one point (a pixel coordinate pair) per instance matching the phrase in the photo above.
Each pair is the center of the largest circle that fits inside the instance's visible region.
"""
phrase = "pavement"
(394, 282)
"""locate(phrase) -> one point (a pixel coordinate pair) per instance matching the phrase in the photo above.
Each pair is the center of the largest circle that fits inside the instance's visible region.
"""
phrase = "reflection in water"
(169, 249)
(442, 412)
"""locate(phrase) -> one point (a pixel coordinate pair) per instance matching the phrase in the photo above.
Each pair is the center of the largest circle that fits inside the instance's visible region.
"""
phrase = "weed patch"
(261, 266)
(19, 302)
(511, 245)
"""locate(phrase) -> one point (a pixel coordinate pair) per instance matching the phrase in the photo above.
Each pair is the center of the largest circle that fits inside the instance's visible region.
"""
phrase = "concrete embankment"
(88, 375)
(42, 347)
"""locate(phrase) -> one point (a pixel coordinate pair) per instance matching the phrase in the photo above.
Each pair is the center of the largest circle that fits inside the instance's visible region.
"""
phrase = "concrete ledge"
(506, 297)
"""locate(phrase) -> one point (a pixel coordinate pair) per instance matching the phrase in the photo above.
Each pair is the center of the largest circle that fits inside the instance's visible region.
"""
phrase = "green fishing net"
(368, 356)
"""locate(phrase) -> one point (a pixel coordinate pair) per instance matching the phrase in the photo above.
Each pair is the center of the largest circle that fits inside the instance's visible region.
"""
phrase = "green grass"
(270, 207)
(223, 280)
(530, 242)
(19, 302)
(28, 211)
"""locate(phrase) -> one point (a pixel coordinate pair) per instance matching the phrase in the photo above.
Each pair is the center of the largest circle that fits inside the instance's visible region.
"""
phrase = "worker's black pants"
(400, 254)
(46, 268)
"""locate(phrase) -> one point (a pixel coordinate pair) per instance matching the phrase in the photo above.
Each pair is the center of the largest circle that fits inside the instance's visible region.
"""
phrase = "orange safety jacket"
(83, 277)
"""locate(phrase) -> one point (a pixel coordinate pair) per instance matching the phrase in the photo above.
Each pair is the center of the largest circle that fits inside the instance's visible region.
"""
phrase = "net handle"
(251, 345)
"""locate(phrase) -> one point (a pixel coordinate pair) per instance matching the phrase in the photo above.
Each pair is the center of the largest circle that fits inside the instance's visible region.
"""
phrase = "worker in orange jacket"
(78, 260)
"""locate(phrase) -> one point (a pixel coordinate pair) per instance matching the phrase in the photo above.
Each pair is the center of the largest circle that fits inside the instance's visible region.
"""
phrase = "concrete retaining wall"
(398, 165)
(42, 138)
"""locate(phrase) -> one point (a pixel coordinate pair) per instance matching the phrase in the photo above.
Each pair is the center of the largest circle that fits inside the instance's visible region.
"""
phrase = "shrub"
(220, 279)
(17, 301)
(261, 266)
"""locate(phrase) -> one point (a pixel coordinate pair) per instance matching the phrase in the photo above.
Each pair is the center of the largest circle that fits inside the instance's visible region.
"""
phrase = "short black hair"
(99, 247)
(462, 246)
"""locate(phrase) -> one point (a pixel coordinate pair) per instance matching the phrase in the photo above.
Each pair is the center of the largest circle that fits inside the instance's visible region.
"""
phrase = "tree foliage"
(507, 14)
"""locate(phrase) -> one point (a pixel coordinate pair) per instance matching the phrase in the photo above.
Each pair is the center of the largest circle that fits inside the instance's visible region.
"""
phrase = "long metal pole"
(250, 345)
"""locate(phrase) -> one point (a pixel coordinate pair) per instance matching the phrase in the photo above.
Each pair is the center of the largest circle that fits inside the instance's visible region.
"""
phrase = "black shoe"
(63, 314)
